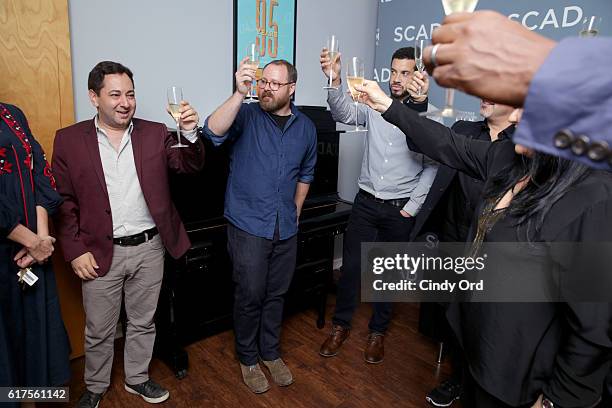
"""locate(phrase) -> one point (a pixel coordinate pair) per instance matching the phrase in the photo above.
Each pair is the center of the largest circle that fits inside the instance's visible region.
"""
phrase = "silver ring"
(434, 50)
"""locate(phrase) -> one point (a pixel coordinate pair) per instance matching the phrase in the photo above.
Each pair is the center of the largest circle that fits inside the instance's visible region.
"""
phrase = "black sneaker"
(89, 400)
(444, 394)
(149, 391)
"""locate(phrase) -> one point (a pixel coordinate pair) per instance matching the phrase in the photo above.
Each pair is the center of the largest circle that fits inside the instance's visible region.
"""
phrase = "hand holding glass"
(355, 76)
(333, 49)
(252, 53)
(418, 59)
(452, 6)
(175, 96)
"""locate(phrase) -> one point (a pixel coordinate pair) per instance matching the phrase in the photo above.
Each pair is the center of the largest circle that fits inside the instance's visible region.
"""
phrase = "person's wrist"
(386, 104)
(418, 98)
(32, 242)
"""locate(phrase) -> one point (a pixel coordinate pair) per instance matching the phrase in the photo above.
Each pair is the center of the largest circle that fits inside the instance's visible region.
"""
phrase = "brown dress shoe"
(375, 348)
(334, 341)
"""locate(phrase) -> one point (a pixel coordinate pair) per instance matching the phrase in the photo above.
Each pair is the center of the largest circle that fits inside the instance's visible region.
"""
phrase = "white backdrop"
(189, 43)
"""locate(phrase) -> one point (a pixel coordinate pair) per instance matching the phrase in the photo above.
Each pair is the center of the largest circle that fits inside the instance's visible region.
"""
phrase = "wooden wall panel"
(36, 75)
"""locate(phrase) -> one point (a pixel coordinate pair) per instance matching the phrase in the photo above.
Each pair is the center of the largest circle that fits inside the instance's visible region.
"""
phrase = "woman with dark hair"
(34, 346)
(524, 354)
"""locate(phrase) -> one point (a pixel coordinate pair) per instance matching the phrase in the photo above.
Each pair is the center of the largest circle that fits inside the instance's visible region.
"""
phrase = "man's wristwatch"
(546, 403)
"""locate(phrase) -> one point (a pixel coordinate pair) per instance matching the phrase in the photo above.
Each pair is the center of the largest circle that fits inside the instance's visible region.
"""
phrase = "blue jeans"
(262, 271)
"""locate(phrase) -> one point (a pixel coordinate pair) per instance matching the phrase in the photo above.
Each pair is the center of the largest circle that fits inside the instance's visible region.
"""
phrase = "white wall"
(189, 43)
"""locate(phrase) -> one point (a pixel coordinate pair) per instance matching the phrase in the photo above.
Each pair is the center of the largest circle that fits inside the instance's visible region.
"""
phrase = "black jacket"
(517, 351)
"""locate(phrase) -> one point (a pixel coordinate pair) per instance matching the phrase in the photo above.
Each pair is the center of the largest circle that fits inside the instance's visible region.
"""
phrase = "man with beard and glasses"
(393, 185)
(272, 158)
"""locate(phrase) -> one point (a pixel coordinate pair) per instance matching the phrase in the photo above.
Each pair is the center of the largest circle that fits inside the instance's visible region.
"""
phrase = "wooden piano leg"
(177, 358)
(168, 344)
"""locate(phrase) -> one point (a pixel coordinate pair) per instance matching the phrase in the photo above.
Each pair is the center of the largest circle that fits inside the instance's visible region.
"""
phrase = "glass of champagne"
(175, 96)
(355, 76)
(590, 27)
(418, 58)
(450, 7)
(252, 53)
(333, 49)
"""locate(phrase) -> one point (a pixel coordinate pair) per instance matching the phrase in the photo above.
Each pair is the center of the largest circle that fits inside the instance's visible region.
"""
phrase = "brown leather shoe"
(254, 378)
(375, 348)
(334, 341)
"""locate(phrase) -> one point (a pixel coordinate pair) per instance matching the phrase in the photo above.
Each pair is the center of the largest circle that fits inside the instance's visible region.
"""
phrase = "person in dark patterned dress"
(34, 347)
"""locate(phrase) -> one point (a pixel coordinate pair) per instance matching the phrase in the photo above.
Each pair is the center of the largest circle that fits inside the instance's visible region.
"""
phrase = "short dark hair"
(403, 53)
(292, 75)
(95, 81)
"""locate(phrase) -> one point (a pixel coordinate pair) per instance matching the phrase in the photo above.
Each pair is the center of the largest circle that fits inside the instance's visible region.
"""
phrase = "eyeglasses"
(274, 86)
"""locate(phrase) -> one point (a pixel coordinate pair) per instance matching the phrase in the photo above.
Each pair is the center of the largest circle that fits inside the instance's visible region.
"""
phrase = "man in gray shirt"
(393, 185)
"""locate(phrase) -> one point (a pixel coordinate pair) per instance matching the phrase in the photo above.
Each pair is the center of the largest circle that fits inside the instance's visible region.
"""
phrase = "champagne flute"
(418, 58)
(175, 96)
(451, 6)
(252, 53)
(333, 50)
(355, 76)
(590, 27)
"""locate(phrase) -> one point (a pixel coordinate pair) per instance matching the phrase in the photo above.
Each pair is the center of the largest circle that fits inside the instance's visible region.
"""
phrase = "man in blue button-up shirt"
(272, 160)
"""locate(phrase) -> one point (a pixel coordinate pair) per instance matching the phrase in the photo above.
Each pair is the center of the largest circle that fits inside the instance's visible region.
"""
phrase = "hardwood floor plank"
(214, 380)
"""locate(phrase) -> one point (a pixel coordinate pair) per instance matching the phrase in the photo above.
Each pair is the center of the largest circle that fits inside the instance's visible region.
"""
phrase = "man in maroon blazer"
(116, 220)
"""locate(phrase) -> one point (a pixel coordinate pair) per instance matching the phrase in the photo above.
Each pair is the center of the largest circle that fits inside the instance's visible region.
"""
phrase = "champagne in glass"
(352, 81)
(333, 49)
(252, 53)
(458, 6)
(590, 27)
(174, 111)
(175, 96)
(451, 6)
(418, 58)
(355, 76)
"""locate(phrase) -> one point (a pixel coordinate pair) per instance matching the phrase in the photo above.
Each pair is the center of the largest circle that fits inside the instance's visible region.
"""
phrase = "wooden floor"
(402, 380)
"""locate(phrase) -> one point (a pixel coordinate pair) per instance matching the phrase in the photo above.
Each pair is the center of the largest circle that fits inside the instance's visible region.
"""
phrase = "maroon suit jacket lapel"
(137, 146)
(91, 141)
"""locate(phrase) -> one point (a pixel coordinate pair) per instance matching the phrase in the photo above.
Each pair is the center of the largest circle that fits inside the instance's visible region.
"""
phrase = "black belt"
(136, 239)
(396, 202)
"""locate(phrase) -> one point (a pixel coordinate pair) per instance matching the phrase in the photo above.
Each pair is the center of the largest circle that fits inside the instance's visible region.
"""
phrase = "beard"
(401, 96)
(272, 104)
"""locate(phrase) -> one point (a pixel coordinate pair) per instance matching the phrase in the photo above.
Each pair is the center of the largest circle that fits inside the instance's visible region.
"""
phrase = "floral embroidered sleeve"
(43, 180)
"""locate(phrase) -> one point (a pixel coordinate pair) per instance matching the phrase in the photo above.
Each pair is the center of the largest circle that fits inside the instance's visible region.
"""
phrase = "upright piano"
(196, 300)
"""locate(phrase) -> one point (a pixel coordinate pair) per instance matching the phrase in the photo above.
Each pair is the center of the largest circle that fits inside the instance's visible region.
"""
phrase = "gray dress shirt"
(129, 209)
(389, 170)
